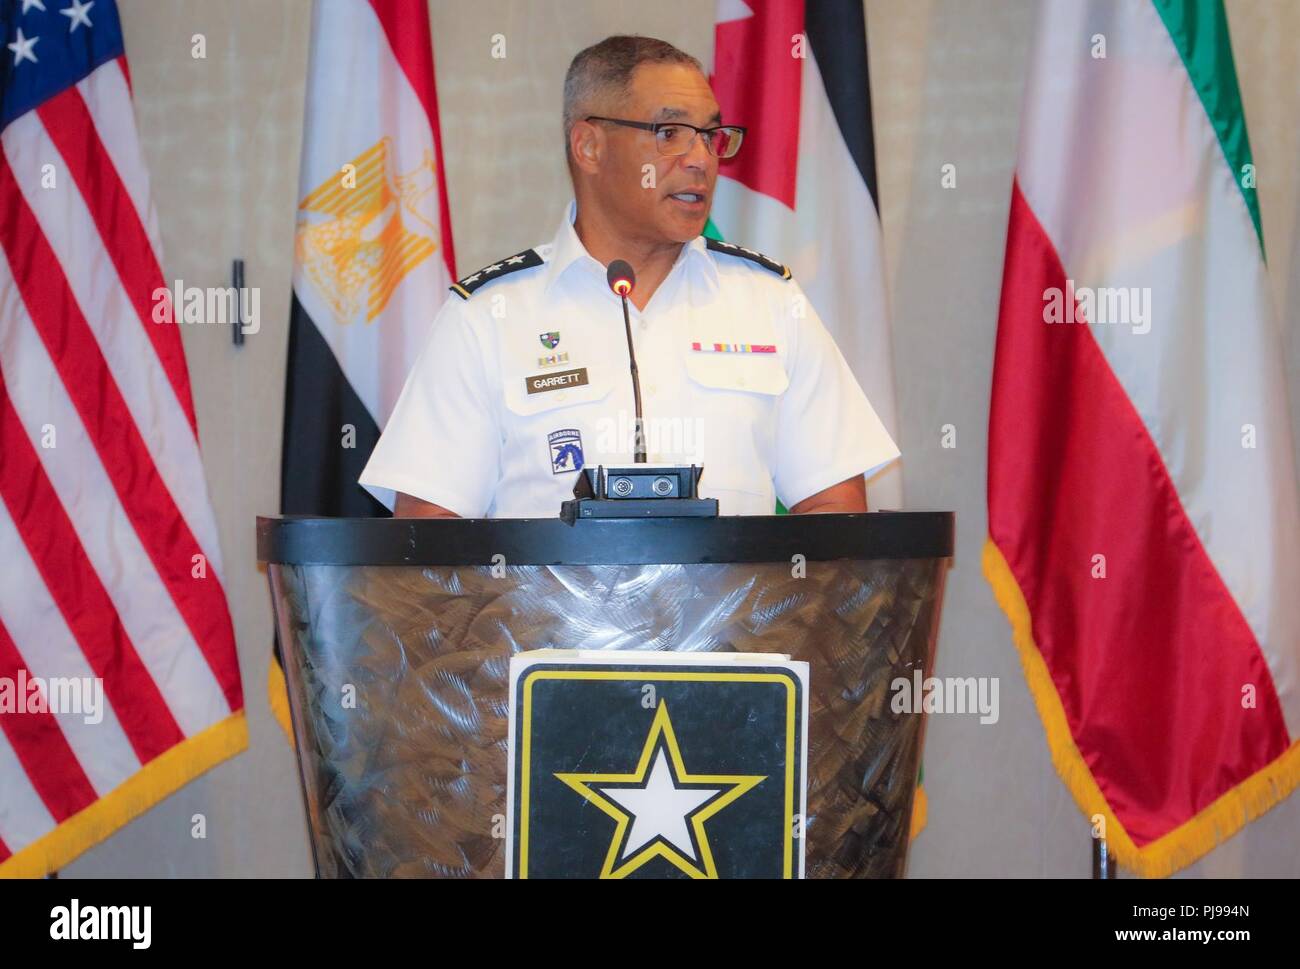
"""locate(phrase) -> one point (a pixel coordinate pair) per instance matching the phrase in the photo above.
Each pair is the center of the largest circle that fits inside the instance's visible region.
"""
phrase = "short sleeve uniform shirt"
(524, 379)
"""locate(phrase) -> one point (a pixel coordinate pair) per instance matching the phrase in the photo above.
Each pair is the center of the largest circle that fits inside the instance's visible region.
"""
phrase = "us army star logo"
(660, 809)
(641, 763)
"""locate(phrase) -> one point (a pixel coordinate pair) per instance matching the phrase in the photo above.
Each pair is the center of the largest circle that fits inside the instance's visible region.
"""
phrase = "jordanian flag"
(803, 188)
(1144, 530)
(373, 250)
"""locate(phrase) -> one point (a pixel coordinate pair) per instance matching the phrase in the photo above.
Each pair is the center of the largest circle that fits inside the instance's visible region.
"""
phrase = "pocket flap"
(757, 373)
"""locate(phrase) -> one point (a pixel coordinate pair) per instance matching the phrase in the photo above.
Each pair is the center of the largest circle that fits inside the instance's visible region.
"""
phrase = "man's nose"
(697, 157)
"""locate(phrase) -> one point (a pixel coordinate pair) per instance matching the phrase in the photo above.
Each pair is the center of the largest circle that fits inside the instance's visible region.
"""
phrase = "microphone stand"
(636, 384)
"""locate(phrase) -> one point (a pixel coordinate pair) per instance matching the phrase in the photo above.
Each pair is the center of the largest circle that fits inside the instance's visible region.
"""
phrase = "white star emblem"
(470, 279)
(78, 13)
(656, 818)
(659, 809)
(22, 48)
(28, 4)
(493, 268)
(514, 260)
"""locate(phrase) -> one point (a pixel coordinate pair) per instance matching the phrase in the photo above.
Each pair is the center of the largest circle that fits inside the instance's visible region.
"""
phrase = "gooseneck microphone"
(621, 280)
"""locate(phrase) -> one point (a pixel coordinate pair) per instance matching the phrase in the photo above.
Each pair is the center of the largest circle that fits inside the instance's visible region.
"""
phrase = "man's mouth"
(689, 198)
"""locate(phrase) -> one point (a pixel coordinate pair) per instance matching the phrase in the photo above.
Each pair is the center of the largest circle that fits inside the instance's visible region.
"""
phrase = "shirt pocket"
(527, 393)
(762, 374)
(738, 355)
(538, 424)
(736, 394)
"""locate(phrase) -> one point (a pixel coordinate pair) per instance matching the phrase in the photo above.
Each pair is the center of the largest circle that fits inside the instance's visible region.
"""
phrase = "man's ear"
(587, 146)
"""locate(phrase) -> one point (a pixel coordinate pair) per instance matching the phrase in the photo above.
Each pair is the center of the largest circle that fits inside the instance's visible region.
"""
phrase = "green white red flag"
(1144, 530)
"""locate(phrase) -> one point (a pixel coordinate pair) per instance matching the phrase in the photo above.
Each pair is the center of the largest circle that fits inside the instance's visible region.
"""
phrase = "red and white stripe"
(99, 533)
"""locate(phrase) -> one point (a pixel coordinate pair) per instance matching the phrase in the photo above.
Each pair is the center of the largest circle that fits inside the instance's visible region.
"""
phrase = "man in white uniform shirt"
(525, 375)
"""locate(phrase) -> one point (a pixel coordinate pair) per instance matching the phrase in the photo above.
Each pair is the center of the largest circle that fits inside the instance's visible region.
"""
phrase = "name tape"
(541, 383)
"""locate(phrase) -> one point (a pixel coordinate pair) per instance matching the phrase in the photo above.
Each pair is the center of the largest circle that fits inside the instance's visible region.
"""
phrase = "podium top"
(650, 541)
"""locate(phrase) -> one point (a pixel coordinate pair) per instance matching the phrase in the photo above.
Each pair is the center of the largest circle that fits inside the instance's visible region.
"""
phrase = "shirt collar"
(568, 253)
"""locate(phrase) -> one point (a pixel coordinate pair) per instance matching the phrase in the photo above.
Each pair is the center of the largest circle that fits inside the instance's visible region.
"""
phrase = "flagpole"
(1103, 864)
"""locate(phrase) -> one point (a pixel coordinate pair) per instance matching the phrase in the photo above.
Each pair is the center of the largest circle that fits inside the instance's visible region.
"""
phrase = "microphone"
(622, 280)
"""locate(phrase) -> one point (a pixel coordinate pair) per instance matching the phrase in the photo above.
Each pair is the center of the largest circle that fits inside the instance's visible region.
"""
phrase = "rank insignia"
(634, 764)
(465, 288)
(731, 249)
(550, 340)
(566, 450)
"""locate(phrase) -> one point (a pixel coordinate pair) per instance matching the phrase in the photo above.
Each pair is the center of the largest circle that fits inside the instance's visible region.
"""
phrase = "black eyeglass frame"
(654, 128)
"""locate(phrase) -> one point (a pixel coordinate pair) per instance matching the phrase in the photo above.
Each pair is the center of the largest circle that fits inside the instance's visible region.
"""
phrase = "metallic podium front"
(396, 637)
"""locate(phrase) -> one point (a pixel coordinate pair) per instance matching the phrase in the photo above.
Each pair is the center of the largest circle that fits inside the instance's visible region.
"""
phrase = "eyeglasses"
(676, 137)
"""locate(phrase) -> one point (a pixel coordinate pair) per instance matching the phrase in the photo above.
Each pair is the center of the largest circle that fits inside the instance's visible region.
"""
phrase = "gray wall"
(222, 137)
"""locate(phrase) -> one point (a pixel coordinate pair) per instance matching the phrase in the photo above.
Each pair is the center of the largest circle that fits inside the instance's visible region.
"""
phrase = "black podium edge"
(658, 541)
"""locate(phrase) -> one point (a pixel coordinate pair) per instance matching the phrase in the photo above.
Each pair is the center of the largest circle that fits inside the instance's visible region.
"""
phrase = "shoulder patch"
(527, 259)
(731, 249)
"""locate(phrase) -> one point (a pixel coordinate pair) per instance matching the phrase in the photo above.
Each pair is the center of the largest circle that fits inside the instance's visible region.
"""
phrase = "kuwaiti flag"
(373, 250)
(803, 188)
(1144, 534)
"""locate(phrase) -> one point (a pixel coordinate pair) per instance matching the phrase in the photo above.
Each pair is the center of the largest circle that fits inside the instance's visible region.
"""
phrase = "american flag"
(109, 564)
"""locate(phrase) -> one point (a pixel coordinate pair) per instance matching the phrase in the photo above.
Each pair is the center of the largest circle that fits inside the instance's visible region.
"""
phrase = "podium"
(396, 637)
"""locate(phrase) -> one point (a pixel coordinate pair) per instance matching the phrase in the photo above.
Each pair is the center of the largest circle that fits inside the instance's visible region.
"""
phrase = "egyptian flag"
(803, 187)
(373, 250)
(1144, 529)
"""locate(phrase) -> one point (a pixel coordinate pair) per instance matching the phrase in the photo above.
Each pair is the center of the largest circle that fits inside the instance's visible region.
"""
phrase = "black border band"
(656, 541)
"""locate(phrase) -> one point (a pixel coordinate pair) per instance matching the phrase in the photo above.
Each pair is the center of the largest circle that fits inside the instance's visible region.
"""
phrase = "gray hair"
(608, 66)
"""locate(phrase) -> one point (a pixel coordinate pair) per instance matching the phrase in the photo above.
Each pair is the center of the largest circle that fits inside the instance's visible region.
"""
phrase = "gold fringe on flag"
(920, 813)
(164, 775)
(277, 694)
(1192, 839)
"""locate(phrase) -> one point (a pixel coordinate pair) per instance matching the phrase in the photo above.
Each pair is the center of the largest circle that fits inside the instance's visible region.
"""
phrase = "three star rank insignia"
(465, 288)
(731, 249)
(631, 764)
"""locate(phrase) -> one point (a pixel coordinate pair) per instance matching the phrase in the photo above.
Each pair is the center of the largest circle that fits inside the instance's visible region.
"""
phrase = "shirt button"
(645, 325)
